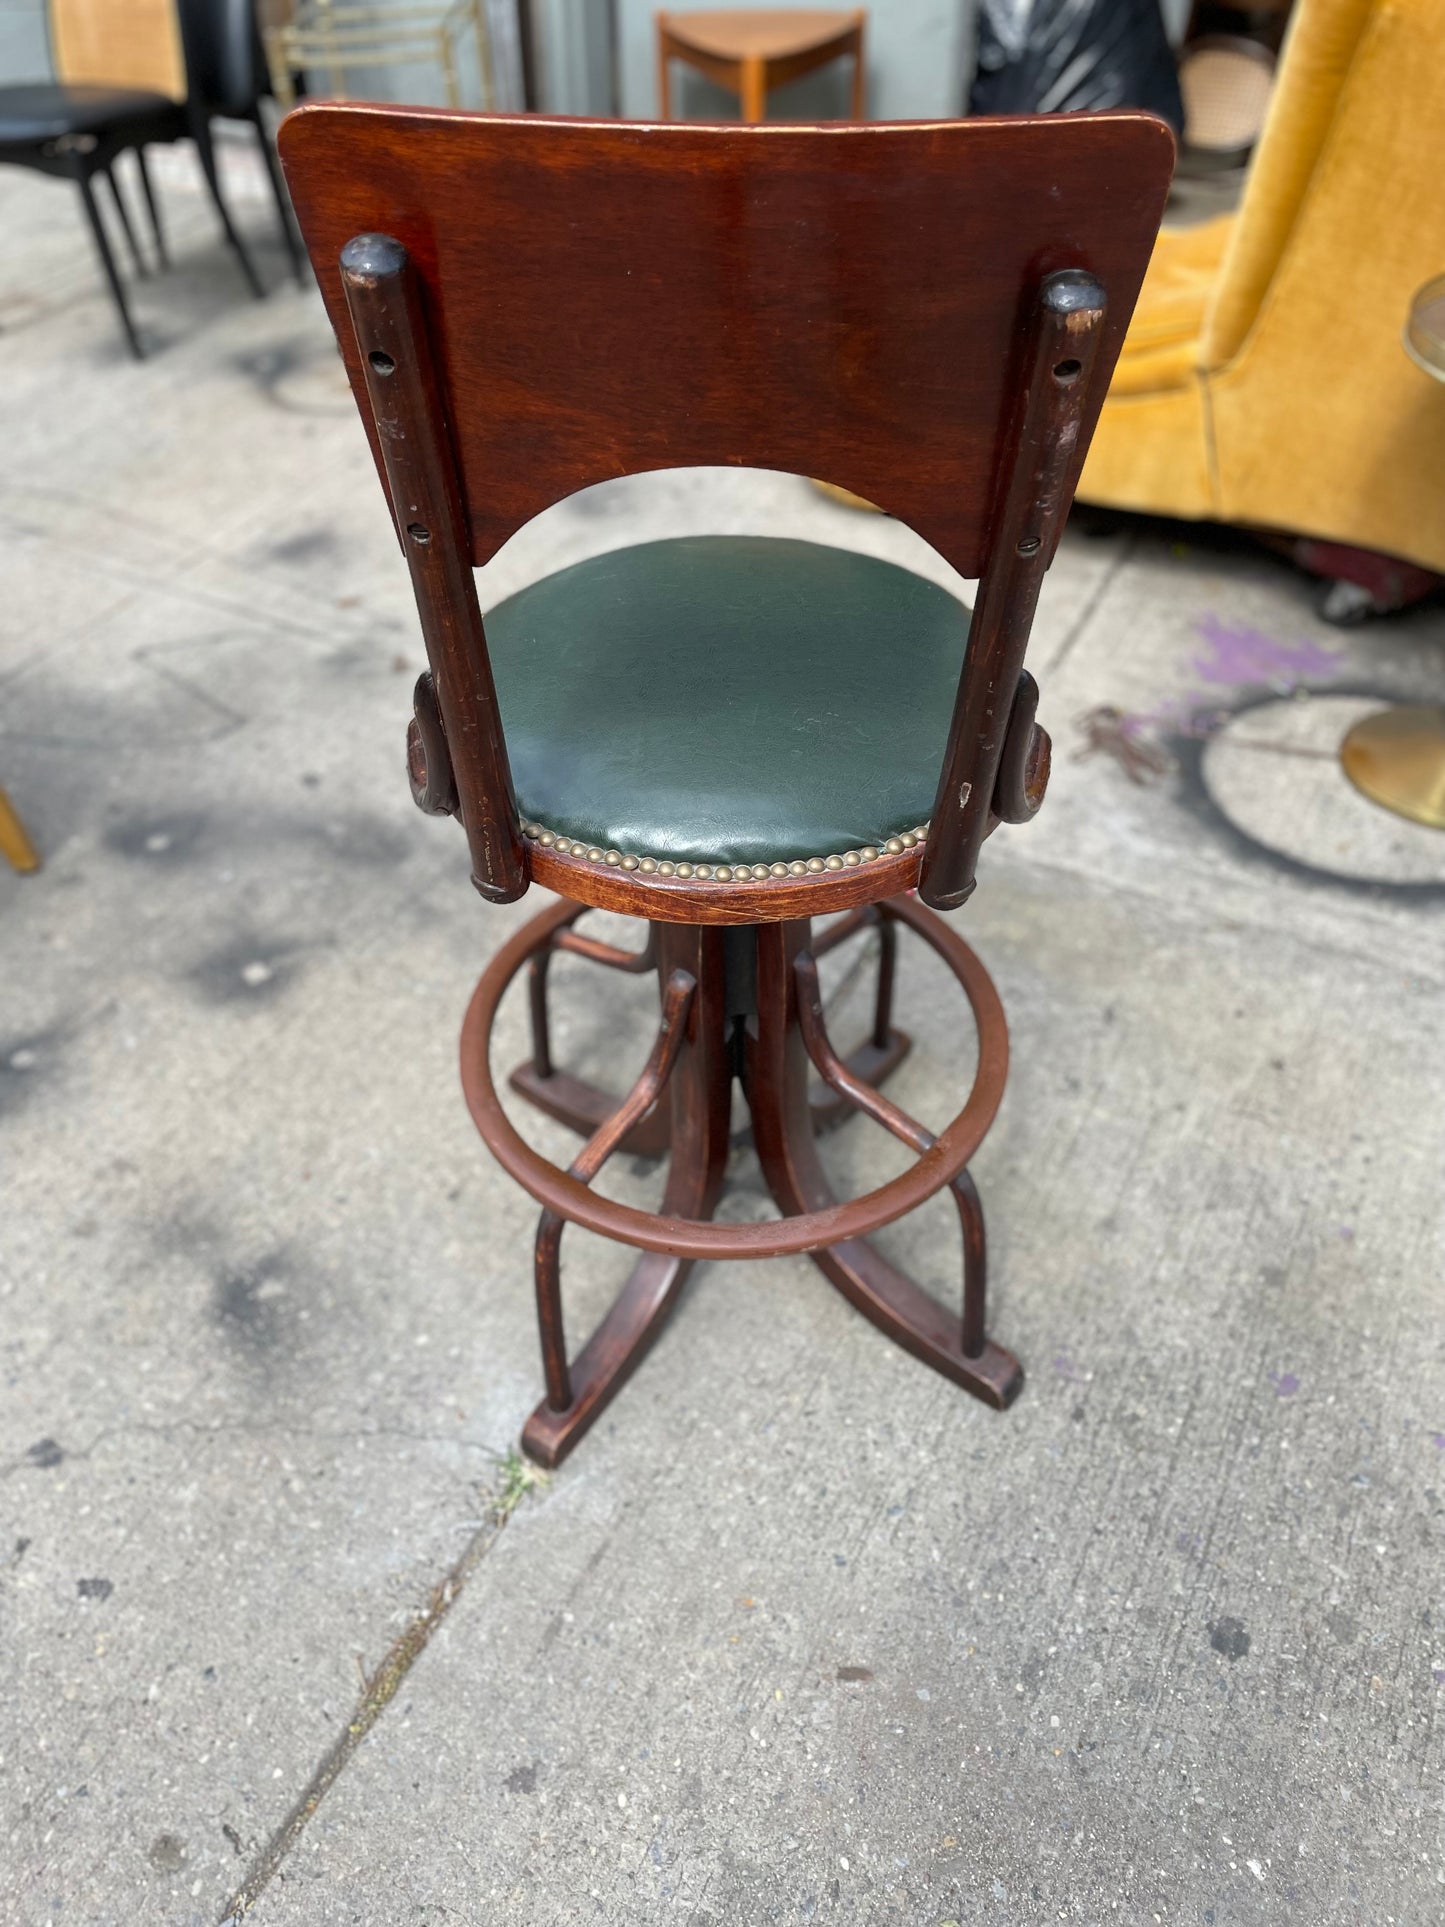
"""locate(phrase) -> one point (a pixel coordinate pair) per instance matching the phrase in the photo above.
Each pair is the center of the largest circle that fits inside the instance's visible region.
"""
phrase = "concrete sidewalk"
(800, 1633)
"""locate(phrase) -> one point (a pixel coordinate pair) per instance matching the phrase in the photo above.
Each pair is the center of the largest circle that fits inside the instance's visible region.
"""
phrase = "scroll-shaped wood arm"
(677, 997)
(428, 760)
(407, 400)
(1055, 396)
(871, 1101)
(1023, 768)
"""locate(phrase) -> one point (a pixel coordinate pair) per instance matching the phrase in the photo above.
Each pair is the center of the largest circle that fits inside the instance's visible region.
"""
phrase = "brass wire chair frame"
(319, 37)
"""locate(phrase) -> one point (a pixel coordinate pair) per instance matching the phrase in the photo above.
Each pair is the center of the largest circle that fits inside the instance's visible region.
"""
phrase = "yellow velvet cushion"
(1319, 50)
(1161, 349)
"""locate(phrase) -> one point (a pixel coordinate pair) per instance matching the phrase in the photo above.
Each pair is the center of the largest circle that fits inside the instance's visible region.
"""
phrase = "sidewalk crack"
(516, 1480)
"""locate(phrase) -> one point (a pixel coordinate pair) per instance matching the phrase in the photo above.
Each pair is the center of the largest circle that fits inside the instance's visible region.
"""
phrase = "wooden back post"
(925, 313)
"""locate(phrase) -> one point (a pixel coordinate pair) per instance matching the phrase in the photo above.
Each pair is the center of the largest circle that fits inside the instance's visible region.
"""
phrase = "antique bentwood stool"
(730, 737)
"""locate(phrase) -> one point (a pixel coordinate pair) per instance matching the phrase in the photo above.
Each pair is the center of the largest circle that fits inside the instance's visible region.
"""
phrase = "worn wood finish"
(678, 991)
(408, 412)
(699, 1092)
(1057, 396)
(841, 300)
(769, 1047)
(690, 900)
(683, 1237)
(861, 1093)
(582, 1107)
(751, 50)
(926, 314)
(775, 1081)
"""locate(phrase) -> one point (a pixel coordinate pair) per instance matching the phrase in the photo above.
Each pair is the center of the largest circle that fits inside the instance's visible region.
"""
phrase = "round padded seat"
(49, 110)
(728, 698)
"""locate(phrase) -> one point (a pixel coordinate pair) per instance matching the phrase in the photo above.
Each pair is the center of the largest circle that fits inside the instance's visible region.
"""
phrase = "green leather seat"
(728, 698)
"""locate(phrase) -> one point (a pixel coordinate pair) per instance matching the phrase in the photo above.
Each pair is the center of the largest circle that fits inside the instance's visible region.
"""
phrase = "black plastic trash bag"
(1066, 56)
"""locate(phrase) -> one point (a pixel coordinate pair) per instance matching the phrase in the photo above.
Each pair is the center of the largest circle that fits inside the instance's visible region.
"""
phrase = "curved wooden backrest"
(847, 301)
(119, 43)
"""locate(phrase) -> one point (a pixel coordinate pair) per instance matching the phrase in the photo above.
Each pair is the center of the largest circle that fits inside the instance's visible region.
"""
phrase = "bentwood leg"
(776, 1081)
(107, 262)
(700, 1096)
(885, 1048)
(570, 1100)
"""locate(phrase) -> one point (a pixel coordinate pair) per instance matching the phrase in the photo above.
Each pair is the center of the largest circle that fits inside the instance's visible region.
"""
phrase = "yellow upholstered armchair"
(1262, 381)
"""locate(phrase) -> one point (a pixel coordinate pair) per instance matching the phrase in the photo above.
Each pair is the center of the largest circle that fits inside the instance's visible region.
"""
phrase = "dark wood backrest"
(842, 301)
(927, 313)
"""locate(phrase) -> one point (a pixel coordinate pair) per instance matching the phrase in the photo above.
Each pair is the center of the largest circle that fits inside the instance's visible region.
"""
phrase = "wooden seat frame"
(735, 959)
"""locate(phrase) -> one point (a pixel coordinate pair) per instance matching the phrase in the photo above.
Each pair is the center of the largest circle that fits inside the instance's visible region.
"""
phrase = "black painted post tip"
(372, 257)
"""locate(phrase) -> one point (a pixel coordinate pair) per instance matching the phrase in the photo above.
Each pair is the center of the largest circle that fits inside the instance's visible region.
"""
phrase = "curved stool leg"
(884, 1048)
(777, 1090)
(700, 1096)
(582, 1107)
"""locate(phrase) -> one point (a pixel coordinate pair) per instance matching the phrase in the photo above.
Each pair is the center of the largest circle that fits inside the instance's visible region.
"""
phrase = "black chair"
(226, 65)
(77, 125)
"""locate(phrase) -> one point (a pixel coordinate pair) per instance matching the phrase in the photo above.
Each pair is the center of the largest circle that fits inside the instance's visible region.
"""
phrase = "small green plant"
(516, 1478)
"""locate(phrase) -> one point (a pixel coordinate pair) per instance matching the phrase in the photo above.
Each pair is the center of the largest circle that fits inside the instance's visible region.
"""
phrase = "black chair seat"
(48, 110)
(728, 698)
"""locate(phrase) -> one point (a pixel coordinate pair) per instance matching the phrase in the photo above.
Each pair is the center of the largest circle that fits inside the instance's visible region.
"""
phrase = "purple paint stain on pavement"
(1065, 1369)
(1239, 654)
(1437, 1439)
(1284, 1383)
(1439, 1672)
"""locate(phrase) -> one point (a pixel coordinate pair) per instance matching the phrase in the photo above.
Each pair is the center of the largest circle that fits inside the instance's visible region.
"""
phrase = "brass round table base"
(1397, 758)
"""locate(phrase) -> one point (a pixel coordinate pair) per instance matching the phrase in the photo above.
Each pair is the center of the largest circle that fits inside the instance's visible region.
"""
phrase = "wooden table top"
(771, 33)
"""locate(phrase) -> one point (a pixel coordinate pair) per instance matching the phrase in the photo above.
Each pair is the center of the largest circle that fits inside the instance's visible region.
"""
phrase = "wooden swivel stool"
(752, 50)
(728, 737)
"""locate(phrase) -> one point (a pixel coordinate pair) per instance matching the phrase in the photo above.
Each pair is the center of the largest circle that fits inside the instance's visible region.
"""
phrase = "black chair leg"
(201, 134)
(283, 202)
(107, 261)
(155, 213)
(123, 214)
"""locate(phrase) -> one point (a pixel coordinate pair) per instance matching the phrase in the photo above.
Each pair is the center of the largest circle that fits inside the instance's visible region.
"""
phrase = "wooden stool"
(728, 737)
(752, 50)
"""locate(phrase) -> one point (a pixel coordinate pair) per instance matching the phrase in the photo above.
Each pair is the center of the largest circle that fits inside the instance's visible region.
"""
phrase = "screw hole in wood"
(418, 533)
(1066, 371)
(382, 362)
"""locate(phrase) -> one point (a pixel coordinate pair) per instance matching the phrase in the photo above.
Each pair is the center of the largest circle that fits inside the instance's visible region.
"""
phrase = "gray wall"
(919, 53)
(24, 49)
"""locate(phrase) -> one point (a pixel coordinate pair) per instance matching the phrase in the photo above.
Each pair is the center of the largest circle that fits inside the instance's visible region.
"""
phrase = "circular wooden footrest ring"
(697, 1238)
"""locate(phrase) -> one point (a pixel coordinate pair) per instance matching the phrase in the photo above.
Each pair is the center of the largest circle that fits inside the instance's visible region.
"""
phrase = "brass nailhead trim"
(725, 872)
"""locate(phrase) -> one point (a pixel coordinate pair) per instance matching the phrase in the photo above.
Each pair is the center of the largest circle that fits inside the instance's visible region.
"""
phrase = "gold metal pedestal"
(1397, 758)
